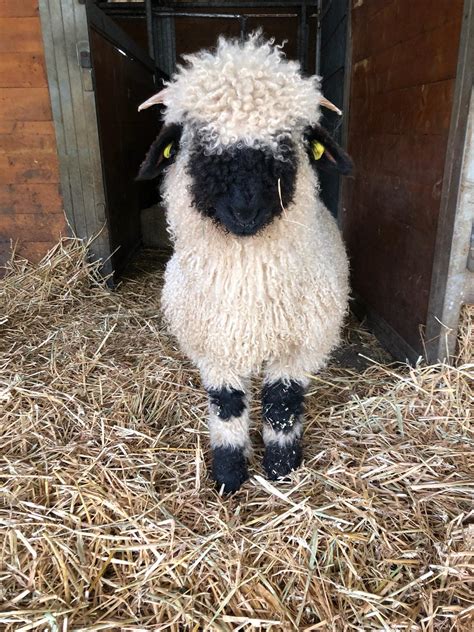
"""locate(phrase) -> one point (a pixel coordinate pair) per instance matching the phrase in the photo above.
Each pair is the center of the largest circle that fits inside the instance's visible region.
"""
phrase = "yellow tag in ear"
(317, 149)
(167, 150)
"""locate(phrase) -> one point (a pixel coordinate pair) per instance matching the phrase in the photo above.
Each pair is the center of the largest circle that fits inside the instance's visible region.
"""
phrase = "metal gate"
(164, 19)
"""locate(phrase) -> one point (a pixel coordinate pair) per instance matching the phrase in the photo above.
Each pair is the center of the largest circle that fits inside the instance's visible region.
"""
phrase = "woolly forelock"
(242, 92)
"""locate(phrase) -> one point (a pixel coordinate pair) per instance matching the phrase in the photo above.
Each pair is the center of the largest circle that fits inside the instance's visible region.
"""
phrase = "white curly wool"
(276, 299)
(242, 92)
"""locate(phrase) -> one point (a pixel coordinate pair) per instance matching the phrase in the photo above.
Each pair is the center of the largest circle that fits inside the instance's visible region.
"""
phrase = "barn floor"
(108, 520)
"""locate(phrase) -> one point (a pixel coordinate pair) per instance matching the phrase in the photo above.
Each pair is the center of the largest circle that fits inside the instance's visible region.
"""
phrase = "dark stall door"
(123, 77)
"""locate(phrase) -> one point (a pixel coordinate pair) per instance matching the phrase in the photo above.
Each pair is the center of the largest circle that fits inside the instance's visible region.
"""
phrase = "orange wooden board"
(22, 70)
(18, 169)
(25, 104)
(30, 198)
(18, 8)
(20, 35)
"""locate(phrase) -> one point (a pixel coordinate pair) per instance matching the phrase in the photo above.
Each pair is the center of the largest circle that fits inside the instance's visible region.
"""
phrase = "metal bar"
(246, 4)
(302, 37)
(243, 24)
(232, 16)
(317, 64)
(127, 9)
(346, 95)
(149, 28)
(165, 41)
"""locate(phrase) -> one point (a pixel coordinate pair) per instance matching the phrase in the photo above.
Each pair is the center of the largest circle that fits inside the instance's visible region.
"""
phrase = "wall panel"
(31, 214)
(404, 59)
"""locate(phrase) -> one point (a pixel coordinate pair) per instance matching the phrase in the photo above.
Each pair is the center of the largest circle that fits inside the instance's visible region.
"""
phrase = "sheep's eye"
(317, 149)
(167, 151)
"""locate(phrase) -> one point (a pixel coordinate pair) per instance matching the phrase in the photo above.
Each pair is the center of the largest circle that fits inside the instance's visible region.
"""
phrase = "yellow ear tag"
(317, 149)
(167, 150)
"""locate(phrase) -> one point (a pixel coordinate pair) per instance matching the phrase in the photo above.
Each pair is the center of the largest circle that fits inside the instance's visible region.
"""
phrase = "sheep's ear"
(162, 152)
(324, 153)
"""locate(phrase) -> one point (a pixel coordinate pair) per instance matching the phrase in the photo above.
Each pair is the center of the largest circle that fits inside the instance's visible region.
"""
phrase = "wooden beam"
(441, 329)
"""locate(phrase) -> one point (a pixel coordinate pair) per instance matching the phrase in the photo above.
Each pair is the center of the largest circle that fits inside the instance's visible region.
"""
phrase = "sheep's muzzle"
(243, 188)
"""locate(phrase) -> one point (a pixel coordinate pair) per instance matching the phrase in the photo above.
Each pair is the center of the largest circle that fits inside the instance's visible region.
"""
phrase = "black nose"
(244, 215)
(244, 205)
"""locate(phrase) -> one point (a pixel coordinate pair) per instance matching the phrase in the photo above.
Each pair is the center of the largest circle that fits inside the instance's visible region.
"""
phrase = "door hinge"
(85, 59)
(85, 63)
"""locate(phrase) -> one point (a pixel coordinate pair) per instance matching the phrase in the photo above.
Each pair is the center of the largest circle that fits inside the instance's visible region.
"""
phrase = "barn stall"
(96, 398)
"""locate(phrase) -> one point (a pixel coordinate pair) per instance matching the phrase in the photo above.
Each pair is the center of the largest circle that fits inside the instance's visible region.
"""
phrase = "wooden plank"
(31, 198)
(21, 143)
(371, 7)
(412, 158)
(32, 250)
(22, 70)
(33, 226)
(388, 112)
(411, 204)
(27, 127)
(34, 127)
(392, 257)
(20, 35)
(125, 137)
(136, 28)
(64, 79)
(18, 8)
(447, 292)
(25, 104)
(21, 169)
(398, 21)
(392, 340)
(7, 127)
(404, 65)
(23, 137)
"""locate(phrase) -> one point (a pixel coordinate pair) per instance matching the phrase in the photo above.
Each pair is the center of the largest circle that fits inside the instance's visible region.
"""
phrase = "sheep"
(259, 276)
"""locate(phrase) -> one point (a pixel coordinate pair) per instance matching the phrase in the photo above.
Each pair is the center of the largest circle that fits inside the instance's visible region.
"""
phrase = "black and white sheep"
(259, 275)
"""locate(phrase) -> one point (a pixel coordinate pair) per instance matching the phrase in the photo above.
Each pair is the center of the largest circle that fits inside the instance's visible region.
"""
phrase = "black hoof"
(280, 460)
(229, 468)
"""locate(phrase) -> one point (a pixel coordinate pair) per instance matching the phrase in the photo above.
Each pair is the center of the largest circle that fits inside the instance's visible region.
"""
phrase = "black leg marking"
(227, 402)
(282, 404)
(283, 407)
(280, 460)
(229, 468)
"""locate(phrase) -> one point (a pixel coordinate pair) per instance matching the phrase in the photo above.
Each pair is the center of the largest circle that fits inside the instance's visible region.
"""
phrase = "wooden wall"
(404, 57)
(31, 211)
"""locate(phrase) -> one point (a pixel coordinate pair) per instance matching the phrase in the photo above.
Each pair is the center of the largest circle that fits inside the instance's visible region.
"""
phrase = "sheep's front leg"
(229, 436)
(282, 408)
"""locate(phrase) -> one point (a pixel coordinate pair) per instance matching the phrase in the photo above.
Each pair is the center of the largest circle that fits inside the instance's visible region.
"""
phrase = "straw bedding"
(108, 520)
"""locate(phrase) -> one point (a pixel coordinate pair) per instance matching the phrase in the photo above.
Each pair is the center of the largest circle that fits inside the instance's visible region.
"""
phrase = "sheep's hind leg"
(229, 436)
(282, 408)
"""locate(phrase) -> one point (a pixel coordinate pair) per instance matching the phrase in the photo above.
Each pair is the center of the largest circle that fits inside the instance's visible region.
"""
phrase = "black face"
(243, 188)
